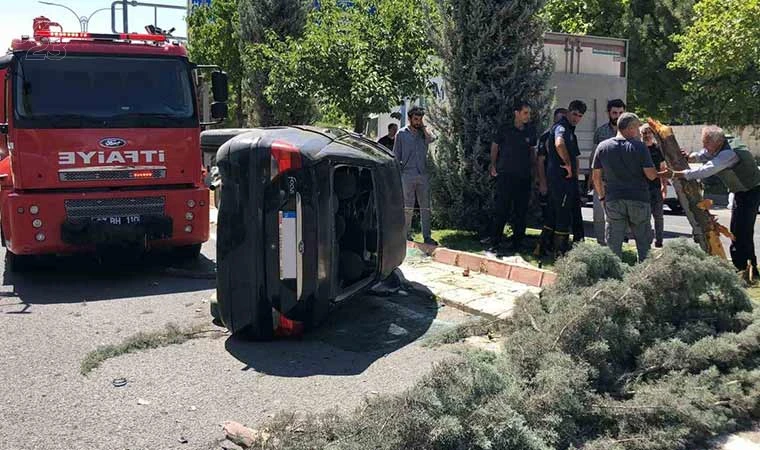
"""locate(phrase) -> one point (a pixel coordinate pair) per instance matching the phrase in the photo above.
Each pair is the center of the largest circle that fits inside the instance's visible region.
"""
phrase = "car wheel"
(18, 263)
(188, 251)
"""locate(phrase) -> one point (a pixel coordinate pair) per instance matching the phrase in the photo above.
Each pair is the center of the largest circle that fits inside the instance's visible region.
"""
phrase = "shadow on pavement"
(357, 334)
(73, 279)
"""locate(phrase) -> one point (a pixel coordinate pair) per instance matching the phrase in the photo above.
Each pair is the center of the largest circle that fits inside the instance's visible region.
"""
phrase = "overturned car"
(308, 217)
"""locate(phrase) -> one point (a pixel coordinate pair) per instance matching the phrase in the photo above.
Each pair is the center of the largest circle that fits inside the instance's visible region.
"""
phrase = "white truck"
(588, 68)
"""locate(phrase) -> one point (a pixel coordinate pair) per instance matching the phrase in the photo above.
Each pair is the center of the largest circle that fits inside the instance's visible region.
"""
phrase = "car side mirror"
(219, 86)
(219, 110)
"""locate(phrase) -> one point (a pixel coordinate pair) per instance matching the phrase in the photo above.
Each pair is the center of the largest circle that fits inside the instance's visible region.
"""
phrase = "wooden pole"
(705, 226)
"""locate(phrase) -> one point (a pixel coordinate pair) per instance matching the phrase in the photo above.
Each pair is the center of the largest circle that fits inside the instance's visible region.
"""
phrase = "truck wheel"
(18, 263)
(674, 206)
(188, 251)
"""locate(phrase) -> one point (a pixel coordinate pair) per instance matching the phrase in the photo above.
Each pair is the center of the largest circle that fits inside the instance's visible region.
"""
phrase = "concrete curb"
(531, 276)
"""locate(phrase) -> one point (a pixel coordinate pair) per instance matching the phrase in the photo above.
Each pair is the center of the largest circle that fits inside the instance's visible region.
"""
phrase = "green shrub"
(663, 356)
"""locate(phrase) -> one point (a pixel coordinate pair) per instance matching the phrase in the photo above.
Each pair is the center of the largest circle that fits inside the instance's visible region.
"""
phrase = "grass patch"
(171, 334)
(754, 294)
(468, 241)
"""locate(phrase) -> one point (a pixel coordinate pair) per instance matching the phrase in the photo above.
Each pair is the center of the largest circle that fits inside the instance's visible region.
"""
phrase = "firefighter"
(547, 233)
(562, 173)
(737, 169)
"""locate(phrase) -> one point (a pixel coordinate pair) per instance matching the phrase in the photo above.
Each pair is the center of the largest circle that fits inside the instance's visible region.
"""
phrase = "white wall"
(690, 137)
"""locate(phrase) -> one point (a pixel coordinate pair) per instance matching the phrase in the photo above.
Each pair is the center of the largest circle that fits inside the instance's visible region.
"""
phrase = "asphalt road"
(176, 397)
(676, 225)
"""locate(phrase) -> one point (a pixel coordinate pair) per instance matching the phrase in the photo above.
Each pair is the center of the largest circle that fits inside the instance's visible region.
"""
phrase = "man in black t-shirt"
(513, 158)
(389, 139)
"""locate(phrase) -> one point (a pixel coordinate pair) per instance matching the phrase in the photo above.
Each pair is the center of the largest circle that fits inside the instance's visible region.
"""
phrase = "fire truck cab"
(99, 135)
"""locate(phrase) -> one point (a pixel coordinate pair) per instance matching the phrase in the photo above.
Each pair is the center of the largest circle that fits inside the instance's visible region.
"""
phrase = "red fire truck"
(100, 138)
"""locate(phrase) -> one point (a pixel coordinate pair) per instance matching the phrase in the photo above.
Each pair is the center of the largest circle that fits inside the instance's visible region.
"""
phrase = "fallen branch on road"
(171, 335)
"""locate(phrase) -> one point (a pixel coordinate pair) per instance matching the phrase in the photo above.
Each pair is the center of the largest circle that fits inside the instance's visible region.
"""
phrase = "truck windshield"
(103, 92)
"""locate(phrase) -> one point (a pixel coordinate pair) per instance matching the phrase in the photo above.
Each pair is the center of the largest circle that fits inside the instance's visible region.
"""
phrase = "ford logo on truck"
(112, 142)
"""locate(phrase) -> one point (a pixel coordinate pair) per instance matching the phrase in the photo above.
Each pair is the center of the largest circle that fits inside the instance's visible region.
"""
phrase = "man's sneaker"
(431, 241)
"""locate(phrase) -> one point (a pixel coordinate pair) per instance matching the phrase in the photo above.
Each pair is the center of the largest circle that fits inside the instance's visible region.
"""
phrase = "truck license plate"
(119, 220)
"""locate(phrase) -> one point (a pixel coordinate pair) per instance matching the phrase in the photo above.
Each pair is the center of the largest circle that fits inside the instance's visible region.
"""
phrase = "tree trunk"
(239, 93)
(705, 226)
(359, 122)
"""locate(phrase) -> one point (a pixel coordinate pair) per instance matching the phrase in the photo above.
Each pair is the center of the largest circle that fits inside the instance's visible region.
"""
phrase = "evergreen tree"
(492, 56)
(265, 25)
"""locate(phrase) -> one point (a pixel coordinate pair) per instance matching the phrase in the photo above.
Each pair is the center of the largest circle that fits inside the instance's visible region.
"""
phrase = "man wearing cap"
(411, 148)
(737, 169)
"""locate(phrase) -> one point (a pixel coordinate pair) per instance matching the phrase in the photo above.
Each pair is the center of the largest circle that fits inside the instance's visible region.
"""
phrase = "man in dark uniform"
(513, 159)
(737, 169)
(545, 242)
(562, 173)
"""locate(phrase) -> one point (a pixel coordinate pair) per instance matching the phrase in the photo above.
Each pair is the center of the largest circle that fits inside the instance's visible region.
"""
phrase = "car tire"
(18, 263)
(188, 252)
(211, 140)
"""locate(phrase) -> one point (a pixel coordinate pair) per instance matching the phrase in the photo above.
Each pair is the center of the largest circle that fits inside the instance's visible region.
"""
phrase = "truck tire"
(674, 205)
(211, 140)
(18, 263)
(187, 252)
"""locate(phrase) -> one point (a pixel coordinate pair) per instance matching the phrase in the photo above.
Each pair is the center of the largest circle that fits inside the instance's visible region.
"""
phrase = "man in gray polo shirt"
(622, 166)
(411, 148)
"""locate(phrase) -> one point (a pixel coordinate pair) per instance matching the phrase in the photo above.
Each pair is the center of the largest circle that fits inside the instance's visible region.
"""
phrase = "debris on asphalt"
(142, 401)
(240, 434)
(119, 382)
(182, 440)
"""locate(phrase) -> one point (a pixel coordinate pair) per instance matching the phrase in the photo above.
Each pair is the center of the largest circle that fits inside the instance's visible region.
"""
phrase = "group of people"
(629, 176)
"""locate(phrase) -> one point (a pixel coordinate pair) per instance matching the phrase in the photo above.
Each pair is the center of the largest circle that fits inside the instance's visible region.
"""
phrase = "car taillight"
(284, 157)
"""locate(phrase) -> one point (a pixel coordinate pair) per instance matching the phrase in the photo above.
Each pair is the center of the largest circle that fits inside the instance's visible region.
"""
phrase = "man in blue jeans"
(411, 148)
(622, 168)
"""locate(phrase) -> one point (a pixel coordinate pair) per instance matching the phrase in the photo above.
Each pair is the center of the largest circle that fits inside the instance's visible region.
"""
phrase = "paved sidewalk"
(470, 291)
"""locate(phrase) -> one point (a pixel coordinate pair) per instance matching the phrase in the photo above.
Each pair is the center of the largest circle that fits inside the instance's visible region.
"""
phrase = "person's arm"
(559, 144)
(398, 148)
(598, 184)
(494, 158)
(723, 160)
(429, 138)
(543, 186)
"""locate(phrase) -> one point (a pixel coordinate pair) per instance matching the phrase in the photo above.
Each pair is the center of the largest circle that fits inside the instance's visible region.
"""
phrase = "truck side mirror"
(219, 86)
(219, 110)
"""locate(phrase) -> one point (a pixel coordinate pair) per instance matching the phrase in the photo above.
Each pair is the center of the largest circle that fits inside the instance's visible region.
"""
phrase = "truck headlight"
(40, 237)
(191, 203)
(37, 223)
(34, 209)
(189, 216)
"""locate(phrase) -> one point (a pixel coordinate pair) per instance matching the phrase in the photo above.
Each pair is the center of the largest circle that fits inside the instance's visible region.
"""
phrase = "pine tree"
(265, 25)
(492, 56)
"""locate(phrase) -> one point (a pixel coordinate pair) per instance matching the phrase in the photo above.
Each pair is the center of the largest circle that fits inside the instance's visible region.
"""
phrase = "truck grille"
(111, 207)
(106, 175)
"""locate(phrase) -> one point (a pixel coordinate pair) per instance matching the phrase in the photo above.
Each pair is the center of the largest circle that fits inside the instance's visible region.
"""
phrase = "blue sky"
(16, 17)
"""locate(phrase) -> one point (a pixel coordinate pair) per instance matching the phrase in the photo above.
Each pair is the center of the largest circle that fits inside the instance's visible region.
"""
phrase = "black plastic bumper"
(86, 231)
